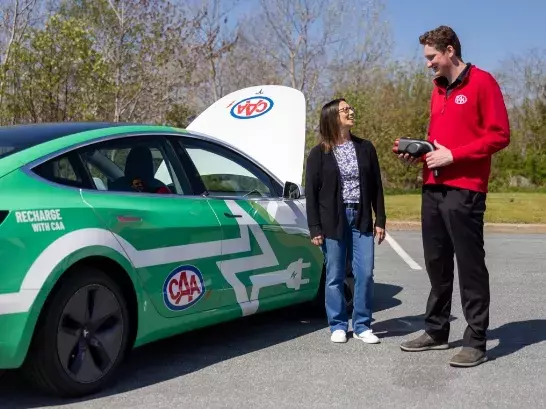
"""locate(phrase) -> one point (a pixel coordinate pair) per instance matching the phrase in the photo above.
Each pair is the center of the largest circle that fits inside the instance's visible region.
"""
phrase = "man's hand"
(317, 241)
(440, 157)
(380, 234)
(409, 160)
(406, 158)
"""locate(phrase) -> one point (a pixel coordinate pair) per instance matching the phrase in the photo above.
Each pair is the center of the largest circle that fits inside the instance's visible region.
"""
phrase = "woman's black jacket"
(323, 194)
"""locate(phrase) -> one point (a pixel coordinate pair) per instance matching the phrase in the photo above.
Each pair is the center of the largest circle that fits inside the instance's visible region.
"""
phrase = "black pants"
(452, 225)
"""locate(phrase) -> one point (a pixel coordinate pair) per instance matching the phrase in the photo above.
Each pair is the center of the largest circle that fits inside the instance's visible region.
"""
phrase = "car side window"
(64, 171)
(226, 173)
(131, 165)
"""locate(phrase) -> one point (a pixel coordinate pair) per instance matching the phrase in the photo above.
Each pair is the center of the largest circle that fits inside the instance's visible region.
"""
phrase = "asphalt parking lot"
(285, 359)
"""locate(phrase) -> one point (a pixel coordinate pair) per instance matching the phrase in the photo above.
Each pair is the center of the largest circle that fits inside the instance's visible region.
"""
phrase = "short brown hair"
(440, 38)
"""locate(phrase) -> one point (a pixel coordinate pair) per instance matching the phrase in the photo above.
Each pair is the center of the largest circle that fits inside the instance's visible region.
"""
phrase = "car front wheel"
(82, 336)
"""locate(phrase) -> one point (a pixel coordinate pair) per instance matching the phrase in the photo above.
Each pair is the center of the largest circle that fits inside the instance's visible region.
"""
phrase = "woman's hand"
(317, 241)
(380, 234)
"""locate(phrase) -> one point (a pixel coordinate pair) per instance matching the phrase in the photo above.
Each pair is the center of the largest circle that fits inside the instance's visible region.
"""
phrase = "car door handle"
(129, 219)
(232, 215)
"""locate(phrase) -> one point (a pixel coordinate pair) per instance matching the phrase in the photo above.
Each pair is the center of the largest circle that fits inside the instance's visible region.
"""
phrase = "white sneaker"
(339, 336)
(367, 336)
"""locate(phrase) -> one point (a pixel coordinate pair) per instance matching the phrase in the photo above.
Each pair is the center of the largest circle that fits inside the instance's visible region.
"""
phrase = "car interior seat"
(139, 174)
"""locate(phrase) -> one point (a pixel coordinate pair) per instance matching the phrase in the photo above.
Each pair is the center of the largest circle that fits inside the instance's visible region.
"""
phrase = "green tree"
(56, 75)
(147, 45)
(179, 115)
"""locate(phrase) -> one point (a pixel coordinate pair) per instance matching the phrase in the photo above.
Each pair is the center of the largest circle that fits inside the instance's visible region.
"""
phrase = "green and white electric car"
(116, 235)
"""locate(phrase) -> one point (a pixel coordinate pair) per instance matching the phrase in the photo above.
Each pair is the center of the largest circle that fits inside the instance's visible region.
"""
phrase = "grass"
(516, 207)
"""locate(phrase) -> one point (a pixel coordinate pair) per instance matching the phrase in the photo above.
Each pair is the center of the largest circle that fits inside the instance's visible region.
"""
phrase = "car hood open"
(265, 122)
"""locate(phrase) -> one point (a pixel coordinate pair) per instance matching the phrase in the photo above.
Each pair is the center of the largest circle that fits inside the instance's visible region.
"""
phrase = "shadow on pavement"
(513, 337)
(384, 296)
(398, 327)
(187, 353)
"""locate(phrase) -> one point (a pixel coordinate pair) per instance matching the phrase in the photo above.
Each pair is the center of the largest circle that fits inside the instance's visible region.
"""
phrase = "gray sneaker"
(468, 357)
(422, 343)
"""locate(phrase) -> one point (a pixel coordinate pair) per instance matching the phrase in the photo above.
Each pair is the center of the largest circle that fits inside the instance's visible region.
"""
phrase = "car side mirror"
(292, 191)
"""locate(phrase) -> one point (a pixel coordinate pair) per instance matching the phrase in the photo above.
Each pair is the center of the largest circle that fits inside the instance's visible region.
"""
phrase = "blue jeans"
(357, 248)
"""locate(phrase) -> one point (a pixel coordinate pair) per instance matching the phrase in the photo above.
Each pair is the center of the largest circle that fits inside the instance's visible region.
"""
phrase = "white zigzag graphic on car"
(229, 268)
(61, 248)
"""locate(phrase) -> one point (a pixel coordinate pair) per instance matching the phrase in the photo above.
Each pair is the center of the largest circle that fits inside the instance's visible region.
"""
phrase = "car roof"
(21, 137)
(23, 143)
(34, 134)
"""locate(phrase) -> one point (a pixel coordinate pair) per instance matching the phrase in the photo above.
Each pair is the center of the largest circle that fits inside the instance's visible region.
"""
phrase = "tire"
(68, 335)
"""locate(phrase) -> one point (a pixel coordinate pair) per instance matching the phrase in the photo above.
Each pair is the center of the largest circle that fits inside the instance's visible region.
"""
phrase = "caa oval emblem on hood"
(252, 107)
(183, 288)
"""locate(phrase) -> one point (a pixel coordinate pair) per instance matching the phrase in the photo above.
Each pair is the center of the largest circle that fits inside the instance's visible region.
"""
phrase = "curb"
(488, 227)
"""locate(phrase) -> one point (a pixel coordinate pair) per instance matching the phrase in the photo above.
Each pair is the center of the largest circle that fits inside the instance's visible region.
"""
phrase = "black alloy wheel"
(81, 337)
(90, 333)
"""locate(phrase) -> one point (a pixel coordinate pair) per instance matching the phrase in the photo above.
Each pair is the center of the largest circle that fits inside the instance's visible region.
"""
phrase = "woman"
(343, 185)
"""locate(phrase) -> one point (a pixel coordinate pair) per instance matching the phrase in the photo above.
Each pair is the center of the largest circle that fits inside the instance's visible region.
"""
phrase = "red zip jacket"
(472, 122)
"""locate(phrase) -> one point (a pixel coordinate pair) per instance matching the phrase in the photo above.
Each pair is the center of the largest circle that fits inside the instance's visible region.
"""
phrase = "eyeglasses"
(346, 109)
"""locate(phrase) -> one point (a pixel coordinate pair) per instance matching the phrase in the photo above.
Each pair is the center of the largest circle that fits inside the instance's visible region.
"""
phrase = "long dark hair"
(329, 126)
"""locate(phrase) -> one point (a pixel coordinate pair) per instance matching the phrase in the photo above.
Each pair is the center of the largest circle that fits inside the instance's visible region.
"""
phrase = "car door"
(268, 260)
(172, 237)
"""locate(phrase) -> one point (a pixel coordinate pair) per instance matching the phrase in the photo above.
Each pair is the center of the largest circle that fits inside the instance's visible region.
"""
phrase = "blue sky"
(489, 30)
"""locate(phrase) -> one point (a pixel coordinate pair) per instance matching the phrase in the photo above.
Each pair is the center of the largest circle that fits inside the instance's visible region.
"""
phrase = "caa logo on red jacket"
(460, 99)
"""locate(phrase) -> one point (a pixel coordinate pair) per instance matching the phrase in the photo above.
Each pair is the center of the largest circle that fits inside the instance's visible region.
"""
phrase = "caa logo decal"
(460, 99)
(252, 107)
(183, 288)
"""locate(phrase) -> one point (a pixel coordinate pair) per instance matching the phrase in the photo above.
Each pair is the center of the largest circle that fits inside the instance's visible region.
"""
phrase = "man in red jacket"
(468, 124)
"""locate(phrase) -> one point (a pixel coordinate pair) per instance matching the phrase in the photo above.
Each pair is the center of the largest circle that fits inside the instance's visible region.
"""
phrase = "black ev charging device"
(416, 148)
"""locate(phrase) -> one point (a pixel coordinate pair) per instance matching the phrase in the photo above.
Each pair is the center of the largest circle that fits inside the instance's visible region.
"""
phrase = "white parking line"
(405, 256)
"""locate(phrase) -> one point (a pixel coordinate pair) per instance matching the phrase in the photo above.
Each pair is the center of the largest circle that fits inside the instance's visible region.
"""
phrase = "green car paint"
(169, 223)
(287, 258)
(25, 234)
(189, 261)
